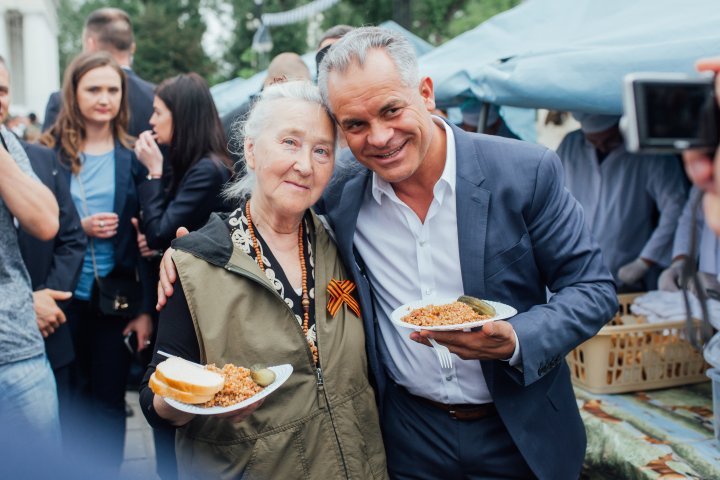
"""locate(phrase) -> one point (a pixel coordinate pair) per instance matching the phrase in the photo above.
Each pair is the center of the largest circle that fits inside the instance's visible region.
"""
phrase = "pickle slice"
(261, 375)
(480, 307)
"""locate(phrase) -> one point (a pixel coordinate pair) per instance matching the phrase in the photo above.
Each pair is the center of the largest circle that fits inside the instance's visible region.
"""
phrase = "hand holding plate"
(237, 416)
(494, 341)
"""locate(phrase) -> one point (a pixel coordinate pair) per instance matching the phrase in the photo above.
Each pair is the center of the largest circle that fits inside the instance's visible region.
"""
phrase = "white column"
(16, 59)
(4, 50)
(41, 61)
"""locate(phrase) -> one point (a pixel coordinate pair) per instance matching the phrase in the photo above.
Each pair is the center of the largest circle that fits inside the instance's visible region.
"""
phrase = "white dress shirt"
(410, 260)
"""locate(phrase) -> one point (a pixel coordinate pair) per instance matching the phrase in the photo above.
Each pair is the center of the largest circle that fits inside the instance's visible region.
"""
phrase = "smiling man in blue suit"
(432, 211)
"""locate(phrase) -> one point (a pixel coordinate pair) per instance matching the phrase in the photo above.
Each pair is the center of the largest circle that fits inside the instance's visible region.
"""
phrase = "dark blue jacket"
(129, 174)
(140, 101)
(55, 263)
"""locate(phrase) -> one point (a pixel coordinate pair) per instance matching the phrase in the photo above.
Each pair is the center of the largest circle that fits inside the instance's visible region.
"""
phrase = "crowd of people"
(360, 180)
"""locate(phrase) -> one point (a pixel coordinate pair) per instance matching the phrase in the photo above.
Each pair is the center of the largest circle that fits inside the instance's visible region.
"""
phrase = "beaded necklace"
(303, 271)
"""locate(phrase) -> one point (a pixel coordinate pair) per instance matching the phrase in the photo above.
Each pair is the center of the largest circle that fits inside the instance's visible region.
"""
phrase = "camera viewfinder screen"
(673, 111)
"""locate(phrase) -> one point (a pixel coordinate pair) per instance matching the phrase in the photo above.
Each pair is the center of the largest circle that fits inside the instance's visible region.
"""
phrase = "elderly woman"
(253, 288)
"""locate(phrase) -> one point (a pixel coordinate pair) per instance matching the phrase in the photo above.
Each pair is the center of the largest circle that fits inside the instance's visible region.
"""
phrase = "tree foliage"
(473, 13)
(169, 40)
(71, 18)
(290, 38)
(168, 35)
(434, 20)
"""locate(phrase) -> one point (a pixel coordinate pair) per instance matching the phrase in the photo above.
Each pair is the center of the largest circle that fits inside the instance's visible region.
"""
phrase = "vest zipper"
(322, 394)
(321, 390)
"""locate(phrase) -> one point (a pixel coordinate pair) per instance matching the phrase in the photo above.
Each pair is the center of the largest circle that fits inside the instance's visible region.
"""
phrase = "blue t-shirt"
(98, 179)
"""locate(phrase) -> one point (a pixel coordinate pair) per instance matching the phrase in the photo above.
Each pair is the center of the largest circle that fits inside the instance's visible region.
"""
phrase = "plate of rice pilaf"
(445, 314)
(239, 391)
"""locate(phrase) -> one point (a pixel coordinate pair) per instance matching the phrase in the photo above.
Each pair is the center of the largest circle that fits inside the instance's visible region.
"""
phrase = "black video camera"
(669, 113)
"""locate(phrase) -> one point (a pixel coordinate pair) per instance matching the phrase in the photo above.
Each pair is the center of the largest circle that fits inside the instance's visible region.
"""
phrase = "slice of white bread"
(187, 377)
(160, 388)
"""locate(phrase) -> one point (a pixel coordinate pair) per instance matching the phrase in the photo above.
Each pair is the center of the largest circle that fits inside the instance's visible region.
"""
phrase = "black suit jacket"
(55, 263)
(140, 100)
(197, 196)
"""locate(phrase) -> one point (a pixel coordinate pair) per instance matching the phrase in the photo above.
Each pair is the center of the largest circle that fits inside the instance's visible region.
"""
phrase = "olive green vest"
(320, 424)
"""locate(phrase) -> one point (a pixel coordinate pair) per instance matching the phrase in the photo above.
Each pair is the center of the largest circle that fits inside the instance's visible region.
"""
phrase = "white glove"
(633, 272)
(669, 279)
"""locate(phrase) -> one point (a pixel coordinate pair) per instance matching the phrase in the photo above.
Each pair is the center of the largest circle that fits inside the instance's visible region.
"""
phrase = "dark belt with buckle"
(463, 411)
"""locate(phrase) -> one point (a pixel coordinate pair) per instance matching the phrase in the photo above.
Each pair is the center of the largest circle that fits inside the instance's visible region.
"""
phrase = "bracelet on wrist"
(153, 176)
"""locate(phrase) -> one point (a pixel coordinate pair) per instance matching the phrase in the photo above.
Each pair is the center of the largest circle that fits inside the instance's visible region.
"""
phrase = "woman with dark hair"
(185, 183)
(90, 138)
(187, 190)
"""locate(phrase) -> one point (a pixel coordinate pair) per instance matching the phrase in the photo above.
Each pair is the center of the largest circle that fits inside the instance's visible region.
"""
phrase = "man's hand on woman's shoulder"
(168, 273)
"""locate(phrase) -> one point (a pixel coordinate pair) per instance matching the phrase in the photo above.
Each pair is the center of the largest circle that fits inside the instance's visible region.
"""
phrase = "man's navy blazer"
(140, 102)
(55, 263)
(520, 231)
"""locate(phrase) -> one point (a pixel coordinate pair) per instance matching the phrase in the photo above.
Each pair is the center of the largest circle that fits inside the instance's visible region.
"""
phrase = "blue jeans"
(28, 401)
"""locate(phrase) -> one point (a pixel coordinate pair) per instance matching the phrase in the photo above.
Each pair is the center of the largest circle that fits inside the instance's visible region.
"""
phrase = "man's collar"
(450, 171)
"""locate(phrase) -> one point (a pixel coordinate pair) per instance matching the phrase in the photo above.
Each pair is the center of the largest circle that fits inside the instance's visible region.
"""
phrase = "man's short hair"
(111, 28)
(354, 47)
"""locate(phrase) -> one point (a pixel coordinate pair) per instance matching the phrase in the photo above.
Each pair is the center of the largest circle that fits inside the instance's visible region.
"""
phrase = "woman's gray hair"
(354, 46)
(257, 120)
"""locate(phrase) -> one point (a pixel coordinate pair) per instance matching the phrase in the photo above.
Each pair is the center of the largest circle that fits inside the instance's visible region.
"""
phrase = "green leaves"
(169, 40)
(168, 35)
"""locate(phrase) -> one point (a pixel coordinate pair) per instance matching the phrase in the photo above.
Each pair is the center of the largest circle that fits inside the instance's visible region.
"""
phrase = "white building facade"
(29, 44)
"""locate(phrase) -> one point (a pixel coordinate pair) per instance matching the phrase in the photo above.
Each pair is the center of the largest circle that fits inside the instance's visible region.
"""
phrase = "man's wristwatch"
(151, 176)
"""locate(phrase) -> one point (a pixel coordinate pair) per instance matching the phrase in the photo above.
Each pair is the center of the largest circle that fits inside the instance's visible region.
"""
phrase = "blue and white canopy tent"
(571, 54)
(233, 93)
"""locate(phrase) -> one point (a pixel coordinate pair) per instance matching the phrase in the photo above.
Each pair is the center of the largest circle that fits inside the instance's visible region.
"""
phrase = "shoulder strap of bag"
(86, 212)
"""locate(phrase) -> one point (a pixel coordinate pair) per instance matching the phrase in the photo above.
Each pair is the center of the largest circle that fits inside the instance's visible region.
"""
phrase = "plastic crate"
(630, 354)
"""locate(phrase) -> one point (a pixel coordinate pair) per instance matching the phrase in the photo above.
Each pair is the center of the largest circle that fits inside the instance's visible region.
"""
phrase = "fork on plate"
(168, 355)
(444, 357)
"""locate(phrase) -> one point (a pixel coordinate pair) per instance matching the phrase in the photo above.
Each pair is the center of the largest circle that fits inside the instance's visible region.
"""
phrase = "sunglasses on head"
(320, 55)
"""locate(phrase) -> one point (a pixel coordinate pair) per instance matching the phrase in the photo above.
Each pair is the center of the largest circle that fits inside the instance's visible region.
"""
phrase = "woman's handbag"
(116, 294)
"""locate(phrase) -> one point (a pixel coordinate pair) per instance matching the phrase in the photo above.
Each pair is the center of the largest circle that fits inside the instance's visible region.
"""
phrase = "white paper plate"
(502, 312)
(282, 373)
